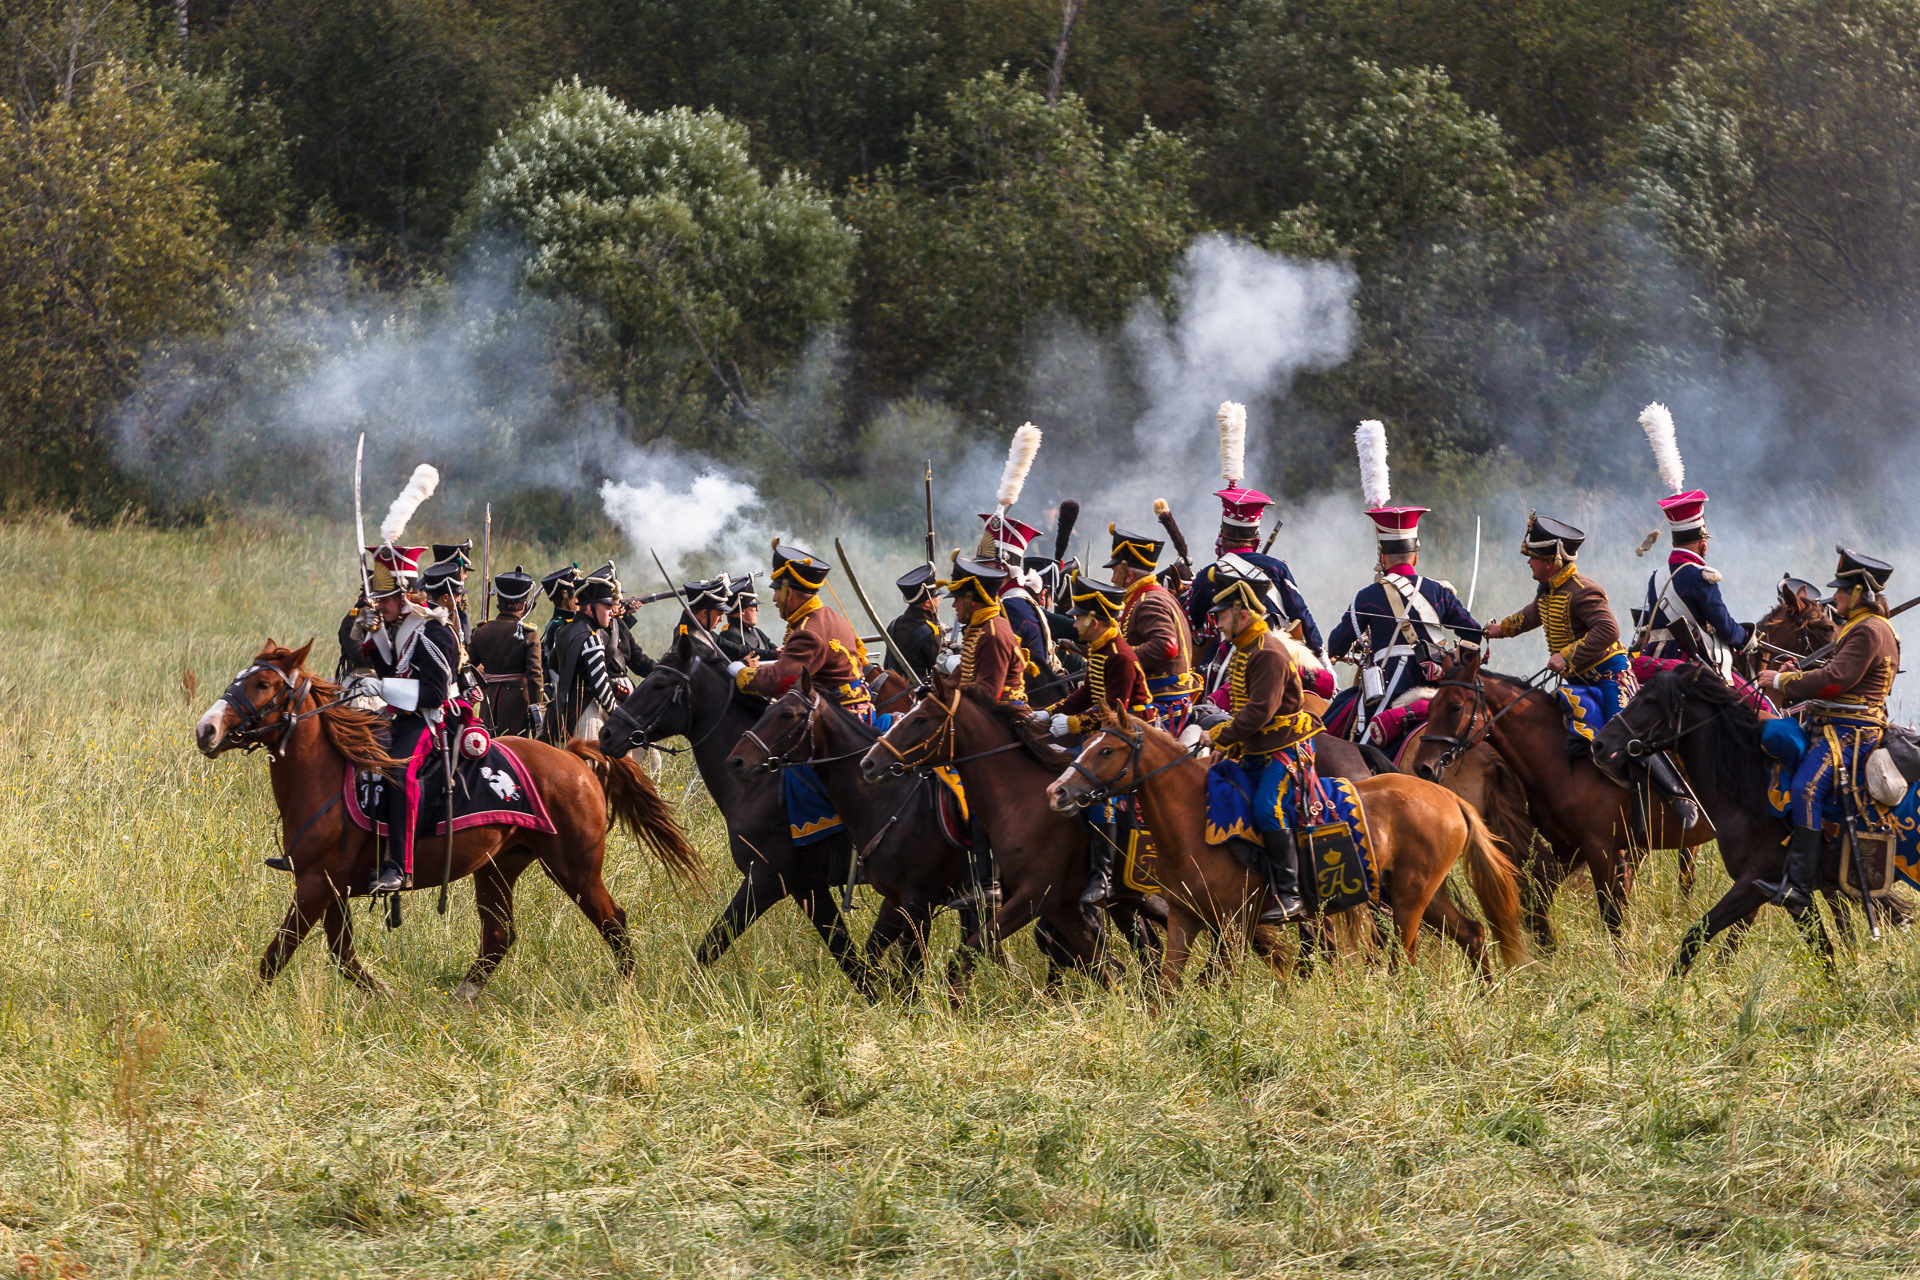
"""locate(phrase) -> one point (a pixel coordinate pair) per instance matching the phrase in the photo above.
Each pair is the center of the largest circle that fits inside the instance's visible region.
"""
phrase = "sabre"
(873, 617)
(446, 871)
(675, 593)
(486, 567)
(1474, 585)
(360, 531)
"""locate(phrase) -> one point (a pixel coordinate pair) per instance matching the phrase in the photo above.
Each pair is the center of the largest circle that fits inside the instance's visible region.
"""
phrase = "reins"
(948, 730)
(247, 733)
(1455, 746)
(1101, 788)
(681, 696)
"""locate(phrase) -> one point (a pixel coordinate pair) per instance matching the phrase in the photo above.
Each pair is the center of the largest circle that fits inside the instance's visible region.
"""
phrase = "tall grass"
(160, 1115)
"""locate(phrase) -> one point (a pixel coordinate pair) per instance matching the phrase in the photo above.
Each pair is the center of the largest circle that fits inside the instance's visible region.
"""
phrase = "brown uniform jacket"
(1114, 680)
(1865, 658)
(1268, 714)
(507, 651)
(1153, 624)
(1578, 619)
(821, 643)
(991, 660)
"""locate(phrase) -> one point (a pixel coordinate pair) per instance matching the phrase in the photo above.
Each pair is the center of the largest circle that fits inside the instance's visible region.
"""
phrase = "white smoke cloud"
(676, 522)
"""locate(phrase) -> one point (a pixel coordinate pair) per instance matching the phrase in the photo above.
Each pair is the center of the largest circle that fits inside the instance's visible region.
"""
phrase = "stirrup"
(400, 882)
(1278, 911)
(278, 862)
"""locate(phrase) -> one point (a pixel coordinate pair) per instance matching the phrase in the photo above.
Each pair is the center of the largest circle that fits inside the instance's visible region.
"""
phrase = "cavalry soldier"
(916, 633)
(1270, 733)
(743, 634)
(990, 662)
(1397, 623)
(1114, 682)
(1152, 622)
(353, 632)
(1007, 540)
(592, 660)
(1843, 704)
(1583, 636)
(410, 644)
(707, 602)
(1684, 609)
(1240, 514)
(818, 640)
(451, 561)
(444, 584)
(507, 653)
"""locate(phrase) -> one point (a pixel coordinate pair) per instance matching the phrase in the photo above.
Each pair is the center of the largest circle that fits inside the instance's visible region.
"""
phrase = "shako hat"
(982, 578)
(1006, 538)
(609, 573)
(564, 579)
(1685, 509)
(795, 564)
(444, 575)
(1093, 598)
(1395, 529)
(711, 595)
(1238, 586)
(918, 583)
(602, 586)
(1134, 550)
(740, 592)
(1242, 508)
(513, 586)
(1857, 570)
(458, 552)
(1550, 539)
(391, 570)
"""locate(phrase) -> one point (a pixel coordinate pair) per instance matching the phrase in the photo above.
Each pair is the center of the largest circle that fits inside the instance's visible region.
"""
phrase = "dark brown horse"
(1419, 831)
(1574, 805)
(1799, 623)
(312, 741)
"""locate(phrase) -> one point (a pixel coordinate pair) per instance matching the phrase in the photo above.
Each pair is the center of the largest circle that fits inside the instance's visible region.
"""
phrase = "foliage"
(1010, 210)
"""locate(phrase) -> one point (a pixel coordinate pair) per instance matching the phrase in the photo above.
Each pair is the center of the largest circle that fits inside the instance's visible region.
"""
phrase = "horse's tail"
(1492, 876)
(634, 803)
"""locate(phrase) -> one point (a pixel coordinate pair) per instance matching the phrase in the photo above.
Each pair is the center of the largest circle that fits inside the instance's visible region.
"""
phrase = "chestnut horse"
(1574, 805)
(1799, 623)
(312, 740)
(1419, 831)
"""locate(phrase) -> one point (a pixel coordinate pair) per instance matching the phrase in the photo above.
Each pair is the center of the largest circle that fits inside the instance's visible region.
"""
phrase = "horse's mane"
(1729, 737)
(354, 733)
(858, 727)
(1039, 744)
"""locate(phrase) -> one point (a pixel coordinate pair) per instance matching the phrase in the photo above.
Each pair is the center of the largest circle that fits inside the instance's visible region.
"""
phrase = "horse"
(688, 694)
(1716, 733)
(1419, 831)
(313, 741)
(1574, 804)
(1799, 623)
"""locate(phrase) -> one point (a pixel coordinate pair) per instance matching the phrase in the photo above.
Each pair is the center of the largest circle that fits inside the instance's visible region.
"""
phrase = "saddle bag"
(1873, 871)
(1902, 747)
(1340, 878)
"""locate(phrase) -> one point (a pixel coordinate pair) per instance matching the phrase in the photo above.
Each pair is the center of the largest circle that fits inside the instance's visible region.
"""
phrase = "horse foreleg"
(750, 902)
(1689, 858)
(1609, 870)
(1814, 929)
(1182, 925)
(493, 902)
(312, 896)
(822, 908)
(1547, 868)
(1013, 916)
(894, 923)
(339, 926)
(1735, 909)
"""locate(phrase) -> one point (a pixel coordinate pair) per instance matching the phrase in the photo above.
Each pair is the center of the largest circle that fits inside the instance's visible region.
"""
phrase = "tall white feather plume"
(1658, 424)
(1233, 442)
(420, 487)
(1370, 442)
(1020, 455)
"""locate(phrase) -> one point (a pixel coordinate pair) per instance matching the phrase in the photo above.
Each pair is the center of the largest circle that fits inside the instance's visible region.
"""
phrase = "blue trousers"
(1273, 790)
(1813, 781)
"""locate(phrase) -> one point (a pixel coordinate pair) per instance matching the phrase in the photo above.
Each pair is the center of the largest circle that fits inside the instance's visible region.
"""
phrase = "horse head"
(921, 737)
(1112, 760)
(684, 687)
(1798, 624)
(1455, 712)
(783, 734)
(257, 703)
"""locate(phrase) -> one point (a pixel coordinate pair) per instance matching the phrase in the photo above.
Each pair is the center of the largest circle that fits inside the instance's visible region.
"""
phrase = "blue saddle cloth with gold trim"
(811, 815)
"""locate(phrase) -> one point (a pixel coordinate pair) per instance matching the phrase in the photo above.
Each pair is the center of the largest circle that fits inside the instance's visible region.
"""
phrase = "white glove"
(1192, 734)
(948, 663)
(360, 687)
(735, 668)
(1059, 726)
(363, 624)
(1038, 719)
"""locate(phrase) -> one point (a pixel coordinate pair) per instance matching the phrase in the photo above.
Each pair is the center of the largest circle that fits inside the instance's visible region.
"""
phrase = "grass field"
(159, 1115)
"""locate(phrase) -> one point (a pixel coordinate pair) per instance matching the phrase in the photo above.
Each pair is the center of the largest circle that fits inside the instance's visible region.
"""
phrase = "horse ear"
(1474, 657)
(683, 645)
(805, 685)
(298, 658)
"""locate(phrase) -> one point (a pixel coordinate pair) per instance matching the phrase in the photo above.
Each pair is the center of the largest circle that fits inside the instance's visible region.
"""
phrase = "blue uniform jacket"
(1200, 597)
(1023, 615)
(1703, 598)
(1375, 619)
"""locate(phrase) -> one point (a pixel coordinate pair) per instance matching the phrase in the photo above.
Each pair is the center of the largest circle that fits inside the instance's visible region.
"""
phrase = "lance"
(360, 532)
(930, 559)
(1827, 648)
(866, 604)
(486, 567)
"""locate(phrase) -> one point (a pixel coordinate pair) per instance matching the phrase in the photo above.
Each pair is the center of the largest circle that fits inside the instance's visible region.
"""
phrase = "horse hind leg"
(493, 901)
(750, 901)
(339, 927)
(581, 881)
(822, 910)
(1446, 916)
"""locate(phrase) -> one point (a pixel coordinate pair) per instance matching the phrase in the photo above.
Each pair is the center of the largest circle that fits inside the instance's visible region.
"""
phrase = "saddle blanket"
(495, 790)
(1340, 845)
(812, 816)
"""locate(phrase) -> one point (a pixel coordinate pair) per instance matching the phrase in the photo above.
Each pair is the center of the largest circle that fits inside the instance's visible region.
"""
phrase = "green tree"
(1009, 211)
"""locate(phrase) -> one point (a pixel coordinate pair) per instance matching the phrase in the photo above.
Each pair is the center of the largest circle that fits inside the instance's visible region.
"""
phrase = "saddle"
(495, 790)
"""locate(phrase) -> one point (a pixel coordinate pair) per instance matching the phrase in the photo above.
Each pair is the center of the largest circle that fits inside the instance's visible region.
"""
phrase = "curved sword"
(854, 582)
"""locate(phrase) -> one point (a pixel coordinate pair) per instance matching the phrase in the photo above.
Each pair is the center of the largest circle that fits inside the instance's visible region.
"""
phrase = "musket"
(930, 559)
(1827, 648)
(486, 567)
(675, 593)
(658, 596)
(1272, 538)
(866, 604)
(1474, 585)
(360, 532)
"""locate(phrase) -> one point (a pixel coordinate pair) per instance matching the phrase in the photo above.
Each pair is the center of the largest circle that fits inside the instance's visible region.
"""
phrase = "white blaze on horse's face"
(211, 727)
(1060, 793)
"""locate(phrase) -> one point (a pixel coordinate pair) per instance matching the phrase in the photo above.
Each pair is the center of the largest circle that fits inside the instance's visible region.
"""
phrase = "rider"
(991, 663)
(444, 584)
(1397, 622)
(507, 653)
(1270, 734)
(743, 634)
(1152, 622)
(453, 559)
(410, 644)
(1240, 514)
(707, 602)
(1114, 682)
(818, 641)
(915, 634)
(1687, 597)
(1007, 541)
(592, 661)
(1844, 705)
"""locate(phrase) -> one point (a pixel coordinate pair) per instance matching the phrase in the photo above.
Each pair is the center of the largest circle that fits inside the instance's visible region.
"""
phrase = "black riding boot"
(1665, 775)
(1283, 861)
(1100, 845)
(1794, 890)
(983, 886)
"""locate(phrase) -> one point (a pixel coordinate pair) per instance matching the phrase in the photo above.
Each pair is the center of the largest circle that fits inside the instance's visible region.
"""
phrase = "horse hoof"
(467, 992)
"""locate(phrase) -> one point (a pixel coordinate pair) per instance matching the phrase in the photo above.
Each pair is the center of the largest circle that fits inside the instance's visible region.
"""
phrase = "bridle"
(772, 760)
(682, 696)
(249, 734)
(1456, 745)
(925, 750)
(1099, 789)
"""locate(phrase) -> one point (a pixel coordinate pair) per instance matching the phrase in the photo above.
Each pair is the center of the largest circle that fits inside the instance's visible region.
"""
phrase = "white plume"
(1233, 442)
(420, 487)
(1658, 424)
(1020, 455)
(1370, 442)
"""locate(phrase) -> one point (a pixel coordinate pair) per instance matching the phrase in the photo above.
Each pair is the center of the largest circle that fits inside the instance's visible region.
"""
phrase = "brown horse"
(1575, 806)
(1799, 623)
(312, 741)
(1419, 831)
